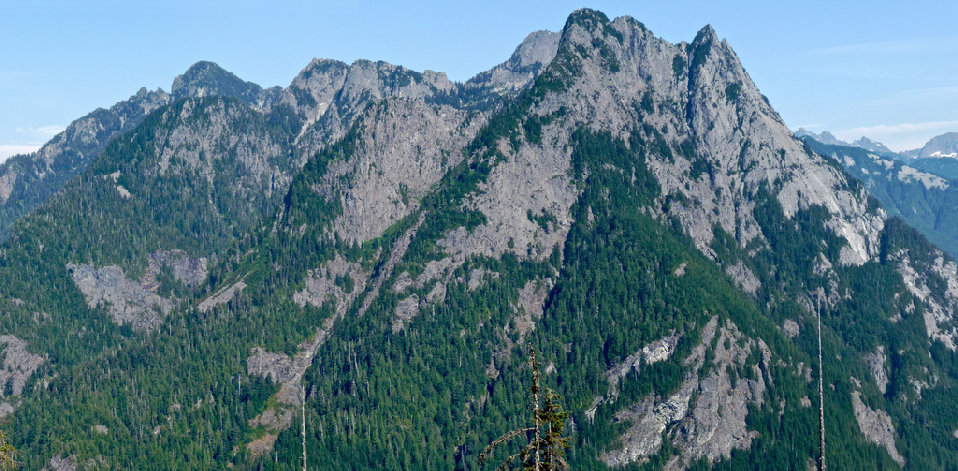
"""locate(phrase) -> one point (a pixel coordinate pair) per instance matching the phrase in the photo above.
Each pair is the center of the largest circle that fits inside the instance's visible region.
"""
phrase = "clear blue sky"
(881, 69)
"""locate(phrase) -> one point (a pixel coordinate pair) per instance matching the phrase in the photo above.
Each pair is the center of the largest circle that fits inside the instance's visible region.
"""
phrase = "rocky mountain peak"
(531, 56)
(874, 146)
(206, 78)
(705, 35)
(941, 146)
(825, 137)
(536, 50)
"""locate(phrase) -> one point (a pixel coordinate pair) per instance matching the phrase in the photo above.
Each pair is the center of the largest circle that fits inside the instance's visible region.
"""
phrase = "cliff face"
(387, 245)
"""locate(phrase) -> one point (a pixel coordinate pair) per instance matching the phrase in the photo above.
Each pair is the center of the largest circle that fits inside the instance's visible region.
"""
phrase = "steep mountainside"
(28, 180)
(387, 245)
(926, 201)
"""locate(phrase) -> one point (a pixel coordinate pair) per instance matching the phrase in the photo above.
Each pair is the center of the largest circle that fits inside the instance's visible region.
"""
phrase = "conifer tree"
(545, 450)
(8, 454)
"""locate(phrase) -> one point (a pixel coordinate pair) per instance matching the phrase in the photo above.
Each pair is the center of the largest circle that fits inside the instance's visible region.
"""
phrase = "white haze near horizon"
(7, 151)
(898, 137)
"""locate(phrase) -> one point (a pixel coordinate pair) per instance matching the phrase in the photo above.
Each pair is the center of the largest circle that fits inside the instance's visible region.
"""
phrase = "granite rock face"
(876, 364)
(877, 427)
(407, 147)
(127, 301)
(711, 425)
(919, 277)
(18, 365)
(534, 53)
(700, 95)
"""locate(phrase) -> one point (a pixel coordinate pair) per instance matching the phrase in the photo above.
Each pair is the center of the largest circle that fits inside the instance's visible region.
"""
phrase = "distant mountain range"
(943, 146)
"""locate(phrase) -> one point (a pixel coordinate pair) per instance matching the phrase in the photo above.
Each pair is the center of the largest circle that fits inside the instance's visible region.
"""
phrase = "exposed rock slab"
(273, 420)
(222, 296)
(939, 317)
(536, 181)
(321, 284)
(127, 301)
(532, 298)
(877, 427)
(261, 446)
(713, 424)
(187, 270)
(534, 54)
(18, 365)
(876, 363)
(791, 328)
(656, 351)
(406, 309)
(407, 148)
(649, 419)
(59, 463)
(716, 423)
(744, 278)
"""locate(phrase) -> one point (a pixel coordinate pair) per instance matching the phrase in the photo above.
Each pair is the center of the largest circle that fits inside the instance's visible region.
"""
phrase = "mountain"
(873, 146)
(824, 137)
(209, 79)
(939, 156)
(941, 146)
(28, 180)
(533, 54)
(863, 142)
(924, 199)
(387, 246)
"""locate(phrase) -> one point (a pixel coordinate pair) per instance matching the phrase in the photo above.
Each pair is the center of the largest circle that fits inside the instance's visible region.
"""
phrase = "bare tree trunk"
(535, 398)
(821, 394)
(304, 425)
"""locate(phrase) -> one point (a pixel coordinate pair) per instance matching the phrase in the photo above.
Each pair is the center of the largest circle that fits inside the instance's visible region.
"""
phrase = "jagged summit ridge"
(206, 78)
(698, 97)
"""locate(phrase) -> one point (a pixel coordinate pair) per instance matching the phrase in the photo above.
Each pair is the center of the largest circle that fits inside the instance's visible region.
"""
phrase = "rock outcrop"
(187, 270)
(529, 59)
(939, 317)
(18, 365)
(877, 427)
(331, 283)
(127, 301)
(532, 298)
(221, 297)
(407, 147)
(205, 78)
(876, 364)
(713, 424)
(59, 463)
